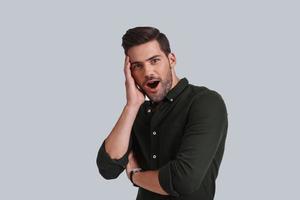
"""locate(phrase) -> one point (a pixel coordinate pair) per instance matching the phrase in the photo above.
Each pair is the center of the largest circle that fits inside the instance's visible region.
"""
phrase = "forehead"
(144, 51)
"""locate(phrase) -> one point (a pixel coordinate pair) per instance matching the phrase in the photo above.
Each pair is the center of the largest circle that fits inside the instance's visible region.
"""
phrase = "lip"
(152, 80)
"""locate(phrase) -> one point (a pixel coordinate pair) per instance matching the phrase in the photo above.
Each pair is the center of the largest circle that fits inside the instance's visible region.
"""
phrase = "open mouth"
(153, 84)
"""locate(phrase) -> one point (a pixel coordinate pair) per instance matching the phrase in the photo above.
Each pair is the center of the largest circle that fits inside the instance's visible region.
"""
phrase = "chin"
(156, 99)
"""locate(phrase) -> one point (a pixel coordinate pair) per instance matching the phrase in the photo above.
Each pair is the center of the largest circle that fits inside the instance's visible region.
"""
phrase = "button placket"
(154, 149)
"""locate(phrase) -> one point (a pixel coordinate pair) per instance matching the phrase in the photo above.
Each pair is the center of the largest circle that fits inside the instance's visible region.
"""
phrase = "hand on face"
(134, 96)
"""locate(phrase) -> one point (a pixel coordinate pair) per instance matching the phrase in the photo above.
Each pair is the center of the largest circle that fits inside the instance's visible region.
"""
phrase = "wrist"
(133, 106)
(132, 172)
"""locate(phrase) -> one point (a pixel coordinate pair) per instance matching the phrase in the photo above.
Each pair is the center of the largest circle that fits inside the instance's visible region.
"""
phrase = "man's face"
(151, 69)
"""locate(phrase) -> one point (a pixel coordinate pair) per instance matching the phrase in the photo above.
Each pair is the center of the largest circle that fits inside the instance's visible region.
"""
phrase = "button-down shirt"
(183, 137)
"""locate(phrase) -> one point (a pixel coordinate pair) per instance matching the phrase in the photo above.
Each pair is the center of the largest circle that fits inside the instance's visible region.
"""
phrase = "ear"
(172, 59)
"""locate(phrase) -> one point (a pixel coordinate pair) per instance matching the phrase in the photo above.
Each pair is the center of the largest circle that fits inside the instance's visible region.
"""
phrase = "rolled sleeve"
(111, 168)
(165, 180)
(205, 128)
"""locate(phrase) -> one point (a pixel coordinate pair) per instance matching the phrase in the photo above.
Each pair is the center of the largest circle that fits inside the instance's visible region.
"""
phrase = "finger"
(127, 69)
(126, 64)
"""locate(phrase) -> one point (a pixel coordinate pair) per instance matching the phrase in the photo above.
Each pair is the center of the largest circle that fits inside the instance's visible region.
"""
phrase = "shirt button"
(154, 133)
(171, 100)
(154, 156)
(149, 110)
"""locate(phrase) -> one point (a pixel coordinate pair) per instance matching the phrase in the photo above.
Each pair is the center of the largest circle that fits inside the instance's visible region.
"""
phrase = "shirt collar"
(177, 89)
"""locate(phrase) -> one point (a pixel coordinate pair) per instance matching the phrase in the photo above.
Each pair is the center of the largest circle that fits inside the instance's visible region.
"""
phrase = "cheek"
(133, 74)
(165, 69)
(136, 77)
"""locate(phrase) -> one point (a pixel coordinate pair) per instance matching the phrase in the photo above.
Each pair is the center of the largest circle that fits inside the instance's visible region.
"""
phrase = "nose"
(149, 71)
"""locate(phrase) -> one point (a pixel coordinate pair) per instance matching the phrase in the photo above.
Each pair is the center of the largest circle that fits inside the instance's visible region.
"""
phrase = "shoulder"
(206, 99)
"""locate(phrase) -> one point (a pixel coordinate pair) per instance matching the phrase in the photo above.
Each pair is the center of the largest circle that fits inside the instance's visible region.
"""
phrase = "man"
(172, 144)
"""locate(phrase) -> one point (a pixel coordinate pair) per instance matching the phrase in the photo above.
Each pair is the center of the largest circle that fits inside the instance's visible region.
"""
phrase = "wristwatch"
(133, 171)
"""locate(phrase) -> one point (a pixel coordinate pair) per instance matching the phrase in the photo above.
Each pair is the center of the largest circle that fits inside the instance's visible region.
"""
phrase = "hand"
(132, 163)
(134, 96)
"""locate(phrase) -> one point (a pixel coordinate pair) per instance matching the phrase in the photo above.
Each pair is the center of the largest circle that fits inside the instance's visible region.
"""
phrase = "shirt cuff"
(165, 180)
(105, 158)
(110, 168)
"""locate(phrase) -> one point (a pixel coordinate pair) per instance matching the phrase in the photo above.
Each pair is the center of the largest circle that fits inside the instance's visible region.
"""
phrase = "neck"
(175, 81)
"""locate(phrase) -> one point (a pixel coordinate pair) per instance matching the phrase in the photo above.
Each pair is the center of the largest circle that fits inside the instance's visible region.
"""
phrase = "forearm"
(149, 181)
(116, 143)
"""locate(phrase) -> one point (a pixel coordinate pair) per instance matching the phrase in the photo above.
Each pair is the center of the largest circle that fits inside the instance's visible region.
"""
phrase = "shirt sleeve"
(205, 128)
(111, 168)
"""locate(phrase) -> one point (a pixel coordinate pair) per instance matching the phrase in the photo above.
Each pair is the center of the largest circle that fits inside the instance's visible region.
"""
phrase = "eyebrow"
(155, 56)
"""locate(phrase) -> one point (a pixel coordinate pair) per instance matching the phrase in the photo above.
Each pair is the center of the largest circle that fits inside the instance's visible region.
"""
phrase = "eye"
(155, 60)
(136, 66)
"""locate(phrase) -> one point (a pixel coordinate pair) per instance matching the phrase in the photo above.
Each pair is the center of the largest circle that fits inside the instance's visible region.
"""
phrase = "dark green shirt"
(183, 137)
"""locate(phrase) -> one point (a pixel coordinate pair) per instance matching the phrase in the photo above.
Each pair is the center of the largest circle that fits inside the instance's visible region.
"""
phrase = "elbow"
(107, 174)
(107, 168)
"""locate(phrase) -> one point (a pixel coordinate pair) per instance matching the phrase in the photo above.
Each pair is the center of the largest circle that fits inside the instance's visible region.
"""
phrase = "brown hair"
(143, 34)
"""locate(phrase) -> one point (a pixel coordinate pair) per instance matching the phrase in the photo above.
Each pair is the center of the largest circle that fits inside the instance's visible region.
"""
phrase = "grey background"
(62, 90)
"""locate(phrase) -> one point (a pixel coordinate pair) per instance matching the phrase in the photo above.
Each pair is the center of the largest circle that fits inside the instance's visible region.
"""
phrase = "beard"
(165, 87)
